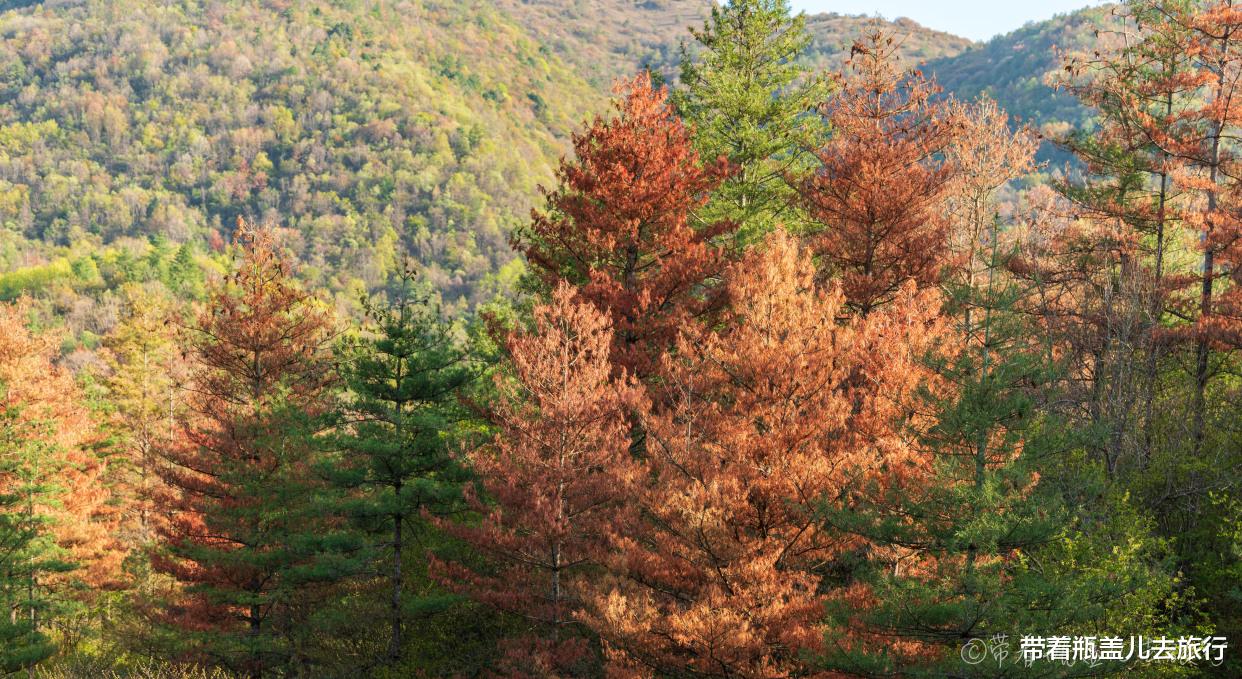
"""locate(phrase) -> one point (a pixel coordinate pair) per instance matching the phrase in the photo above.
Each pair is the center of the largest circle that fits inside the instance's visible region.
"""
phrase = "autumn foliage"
(56, 526)
(231, 535)
(767, 418)
(621, 225)
(945, 404)
(877, 191)
(557, 479)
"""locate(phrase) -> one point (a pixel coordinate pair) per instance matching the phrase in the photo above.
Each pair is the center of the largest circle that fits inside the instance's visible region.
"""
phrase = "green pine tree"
(25, 550)
(404, 374)
(749, 100)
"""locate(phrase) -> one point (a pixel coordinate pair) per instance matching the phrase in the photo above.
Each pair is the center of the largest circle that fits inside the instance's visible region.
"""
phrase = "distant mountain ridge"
(607, 40)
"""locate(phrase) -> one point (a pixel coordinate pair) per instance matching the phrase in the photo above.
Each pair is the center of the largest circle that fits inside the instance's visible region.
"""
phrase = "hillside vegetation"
(1014, 68)
(425, 338)
(368, 128)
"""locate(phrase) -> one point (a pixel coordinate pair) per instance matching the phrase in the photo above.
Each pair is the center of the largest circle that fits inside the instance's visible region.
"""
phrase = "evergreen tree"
(244, 531)
(748, 99)
(877, 193)
(23, 555)
(559, 481)
(52, 538)
(404, 375)
(721, 575)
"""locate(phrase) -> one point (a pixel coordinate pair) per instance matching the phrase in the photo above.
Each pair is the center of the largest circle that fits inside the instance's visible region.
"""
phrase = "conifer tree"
(558, 479)
(54, 526)
(404, 375)
(877, 192)
(721, 578)
(1140, 90)
(143, 387)
(620, 227)
(243, 531)
(749, 100)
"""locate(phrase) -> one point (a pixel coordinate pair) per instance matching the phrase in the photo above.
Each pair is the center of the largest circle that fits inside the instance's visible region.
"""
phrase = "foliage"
(748, 100)
(560, 476)
(241, 532)
(622, 225)
(399, 429)
(875, 192)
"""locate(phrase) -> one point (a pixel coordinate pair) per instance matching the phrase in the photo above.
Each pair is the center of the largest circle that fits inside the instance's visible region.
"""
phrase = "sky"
(974, 19)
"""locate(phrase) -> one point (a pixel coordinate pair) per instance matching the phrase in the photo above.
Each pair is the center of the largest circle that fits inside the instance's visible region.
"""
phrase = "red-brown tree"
(878, 190)
(56, 524)
(558, 480)
(621, 225)
(773, 415)
(239, 534)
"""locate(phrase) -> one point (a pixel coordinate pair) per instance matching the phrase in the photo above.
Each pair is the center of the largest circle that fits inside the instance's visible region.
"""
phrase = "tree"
(954, 557)
(749, 100)
(1140, 88)
(620, 226)
(242, 532)
(146, 368)
(54, 526)
(877, 191)
(1164, 179)
(723, 576)
(557, 479)
(404, 377)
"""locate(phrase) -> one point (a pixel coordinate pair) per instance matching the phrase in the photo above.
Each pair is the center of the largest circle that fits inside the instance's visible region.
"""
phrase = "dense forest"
(423, 338)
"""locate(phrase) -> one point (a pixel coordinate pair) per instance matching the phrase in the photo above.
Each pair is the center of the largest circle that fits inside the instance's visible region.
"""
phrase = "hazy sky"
(975, 19)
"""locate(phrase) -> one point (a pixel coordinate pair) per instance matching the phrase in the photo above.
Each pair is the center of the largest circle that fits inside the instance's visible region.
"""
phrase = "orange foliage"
(621, 225)
(781, 410)
(558, 476)
(879, 188)
(50, 407)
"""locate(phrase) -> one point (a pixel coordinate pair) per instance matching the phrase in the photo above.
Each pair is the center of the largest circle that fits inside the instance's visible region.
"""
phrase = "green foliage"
(413, 130)
(997, 545)
(28, 550)
(1012, 69)
(833, 34)
(749, 100)
(400, 431)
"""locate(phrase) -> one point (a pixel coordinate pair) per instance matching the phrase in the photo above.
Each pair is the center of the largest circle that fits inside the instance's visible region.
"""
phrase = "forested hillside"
(1014, 69)
(368, 128)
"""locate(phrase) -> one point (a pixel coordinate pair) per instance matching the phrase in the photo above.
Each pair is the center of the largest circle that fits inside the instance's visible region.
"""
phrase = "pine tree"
(951, 558)
(54, 527)
(619, 226)
(146, 369)
(1139, 90)
(557, 480)
(243, 532)
(749, 100)
(721, 578)
(405, 374)
(877, 193)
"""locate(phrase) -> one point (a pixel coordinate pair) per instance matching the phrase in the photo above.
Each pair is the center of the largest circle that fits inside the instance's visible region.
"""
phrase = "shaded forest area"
(792, 373)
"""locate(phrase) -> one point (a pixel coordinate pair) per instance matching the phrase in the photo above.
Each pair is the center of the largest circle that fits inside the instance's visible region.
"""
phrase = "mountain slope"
(365, 127)
(611, 39)
(368, 127)
(833, 34)
(1013, 68)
